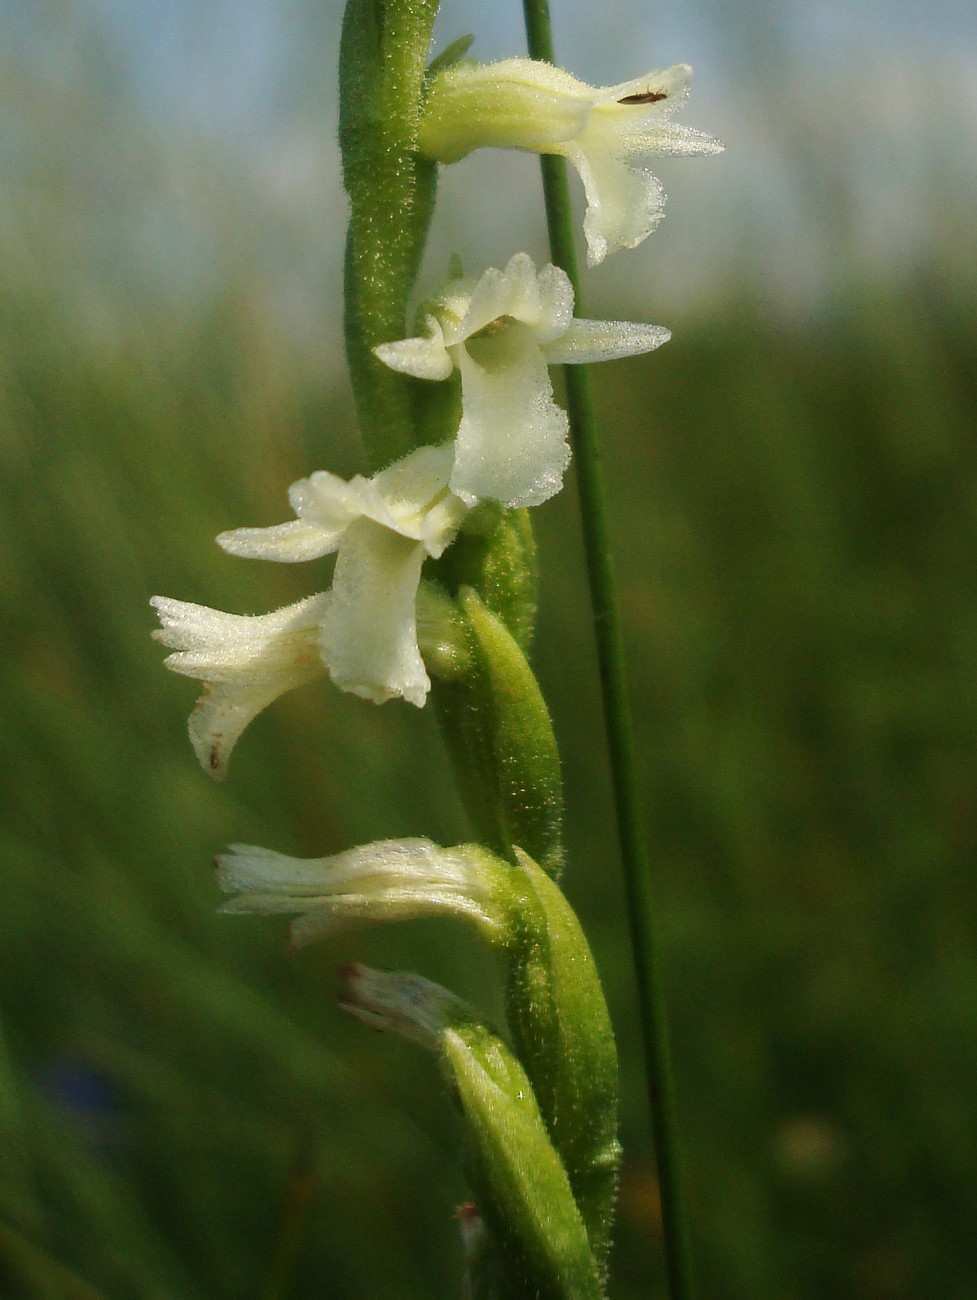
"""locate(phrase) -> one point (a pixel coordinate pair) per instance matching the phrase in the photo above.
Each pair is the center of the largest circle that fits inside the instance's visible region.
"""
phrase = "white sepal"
(424, 357)
(604, 340)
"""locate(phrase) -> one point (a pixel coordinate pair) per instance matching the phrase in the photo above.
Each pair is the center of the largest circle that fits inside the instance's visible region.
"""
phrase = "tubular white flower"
(364, 630)
(246, 662)
(603, 130)
(501, 333)
(390, 880)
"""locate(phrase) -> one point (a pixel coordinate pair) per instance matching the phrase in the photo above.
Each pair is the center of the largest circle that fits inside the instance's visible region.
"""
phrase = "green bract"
(524, 1193)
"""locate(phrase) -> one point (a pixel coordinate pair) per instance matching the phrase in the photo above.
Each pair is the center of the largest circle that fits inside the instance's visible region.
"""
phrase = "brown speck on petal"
(646, 97)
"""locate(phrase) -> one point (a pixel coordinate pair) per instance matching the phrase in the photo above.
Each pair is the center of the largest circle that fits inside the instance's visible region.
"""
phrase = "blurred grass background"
(183, 1113)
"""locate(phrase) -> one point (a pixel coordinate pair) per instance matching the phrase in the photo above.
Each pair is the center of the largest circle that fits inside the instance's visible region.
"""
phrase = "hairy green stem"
(383, 59)
(617, 714)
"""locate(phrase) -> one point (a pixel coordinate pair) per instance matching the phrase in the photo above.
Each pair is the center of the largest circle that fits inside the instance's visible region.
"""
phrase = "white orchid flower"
(246, 662)
(363, 631)
(390, 880)
(501, 334)
(603, 130)
(383, 529)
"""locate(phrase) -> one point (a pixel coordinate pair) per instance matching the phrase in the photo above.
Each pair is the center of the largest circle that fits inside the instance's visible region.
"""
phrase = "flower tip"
(353, 977)
(222, 872)
(355, 982)
(211, 748)
(402, 1003)
(596, 250)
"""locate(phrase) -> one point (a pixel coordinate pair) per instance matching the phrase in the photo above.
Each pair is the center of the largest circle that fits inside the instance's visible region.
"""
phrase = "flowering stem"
(617, 716)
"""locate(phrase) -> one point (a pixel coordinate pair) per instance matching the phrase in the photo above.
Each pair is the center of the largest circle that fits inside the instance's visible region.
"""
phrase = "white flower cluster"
(501, 334)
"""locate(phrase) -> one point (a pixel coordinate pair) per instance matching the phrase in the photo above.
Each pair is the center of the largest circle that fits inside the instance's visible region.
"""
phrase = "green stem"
(617, 717)
(383, 57)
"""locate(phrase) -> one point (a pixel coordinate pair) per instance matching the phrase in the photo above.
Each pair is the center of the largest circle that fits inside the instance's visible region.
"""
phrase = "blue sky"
(851, 132)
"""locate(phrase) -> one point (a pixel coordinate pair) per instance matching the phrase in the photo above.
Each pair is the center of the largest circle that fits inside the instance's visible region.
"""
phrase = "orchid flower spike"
(501, 333)
(522, 104)
(363, 631)
(390, 880)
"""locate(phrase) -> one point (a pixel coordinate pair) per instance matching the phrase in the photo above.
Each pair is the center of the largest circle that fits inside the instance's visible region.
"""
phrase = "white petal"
(330, 503)
(441, 524)
(624, 203)
(494, 294)
(248, 868)
(604, 340)
(289, 543)
(369, 633)
(424, 358)
(556, 304)
(512, 441)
